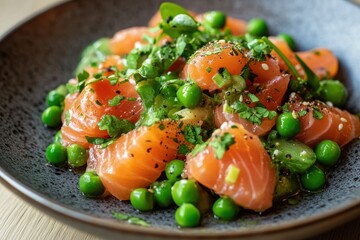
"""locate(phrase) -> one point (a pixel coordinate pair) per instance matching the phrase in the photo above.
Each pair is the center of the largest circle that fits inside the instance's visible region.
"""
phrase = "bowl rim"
(52, 207)
(342, 214)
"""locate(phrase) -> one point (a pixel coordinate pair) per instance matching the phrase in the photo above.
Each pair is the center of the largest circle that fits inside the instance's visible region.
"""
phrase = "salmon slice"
(137, 159)
(236, 26)
(321, 60)
(85, 111)
(269, 86)
(124, 40)
(253, 188)
(221, 117)
(110, 61)
(335, 124)
(209, 60)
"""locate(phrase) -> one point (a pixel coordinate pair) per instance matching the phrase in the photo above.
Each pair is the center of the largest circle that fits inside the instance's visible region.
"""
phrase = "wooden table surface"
(19, 220)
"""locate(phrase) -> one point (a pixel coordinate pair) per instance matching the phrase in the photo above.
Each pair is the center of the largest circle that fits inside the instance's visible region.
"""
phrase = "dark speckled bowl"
(43, 52)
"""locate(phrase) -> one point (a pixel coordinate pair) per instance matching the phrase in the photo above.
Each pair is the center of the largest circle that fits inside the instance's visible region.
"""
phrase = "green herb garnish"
(115, 101)
(221, 144)
(115, 126)
(317, 113)
(192, 134)
(183, 149)
(253, 115)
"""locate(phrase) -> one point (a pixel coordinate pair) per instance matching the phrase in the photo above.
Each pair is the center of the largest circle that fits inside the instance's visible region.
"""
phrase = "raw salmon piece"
(269, 86)
(253, 188)
(221, 117)
(335, 124)
(236, 26)
(137, 159)
(321, 60)
(86, 110)
(110, 61)
(124, 40)
(211, 59)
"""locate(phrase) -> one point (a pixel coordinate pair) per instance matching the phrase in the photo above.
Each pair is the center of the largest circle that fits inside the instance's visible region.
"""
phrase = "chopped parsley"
(221, 144)
(317, 113)
(183, 149)
(253, 115)
(192, 134)
(259, 49)
(115, 101)
(115, 126)
(81, 77)
(302, 112)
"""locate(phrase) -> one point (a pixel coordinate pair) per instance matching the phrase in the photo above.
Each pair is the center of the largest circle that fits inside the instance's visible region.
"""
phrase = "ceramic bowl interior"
(43, 52)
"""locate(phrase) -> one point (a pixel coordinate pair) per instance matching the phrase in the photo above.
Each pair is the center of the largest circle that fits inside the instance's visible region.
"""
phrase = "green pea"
(141, 199)
(185, 191)
(189, 95)
(225, 208)
(288, 126)
(174, 169)
(288, 39)
(90, 185)
(162, 193)
(51, 117)
(333, 91)
(257, 27)
(328, 153)
(77, 155)
(215, 19)
(187, 215)
(56, 154)
(313, 179)
(58, 137)
(168, 90)
(54, 98)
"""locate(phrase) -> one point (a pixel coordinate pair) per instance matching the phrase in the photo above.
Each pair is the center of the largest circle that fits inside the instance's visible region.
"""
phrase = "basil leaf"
(183, 23)
(169, 10)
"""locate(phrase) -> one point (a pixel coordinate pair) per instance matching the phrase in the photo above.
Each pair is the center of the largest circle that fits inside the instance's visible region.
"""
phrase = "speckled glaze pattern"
(43, 52)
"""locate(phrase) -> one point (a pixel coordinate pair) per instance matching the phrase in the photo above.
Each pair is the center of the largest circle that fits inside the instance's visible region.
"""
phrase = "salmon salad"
(203, 113)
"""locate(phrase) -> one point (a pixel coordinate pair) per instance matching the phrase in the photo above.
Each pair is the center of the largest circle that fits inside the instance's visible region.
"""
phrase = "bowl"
(43, 52)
